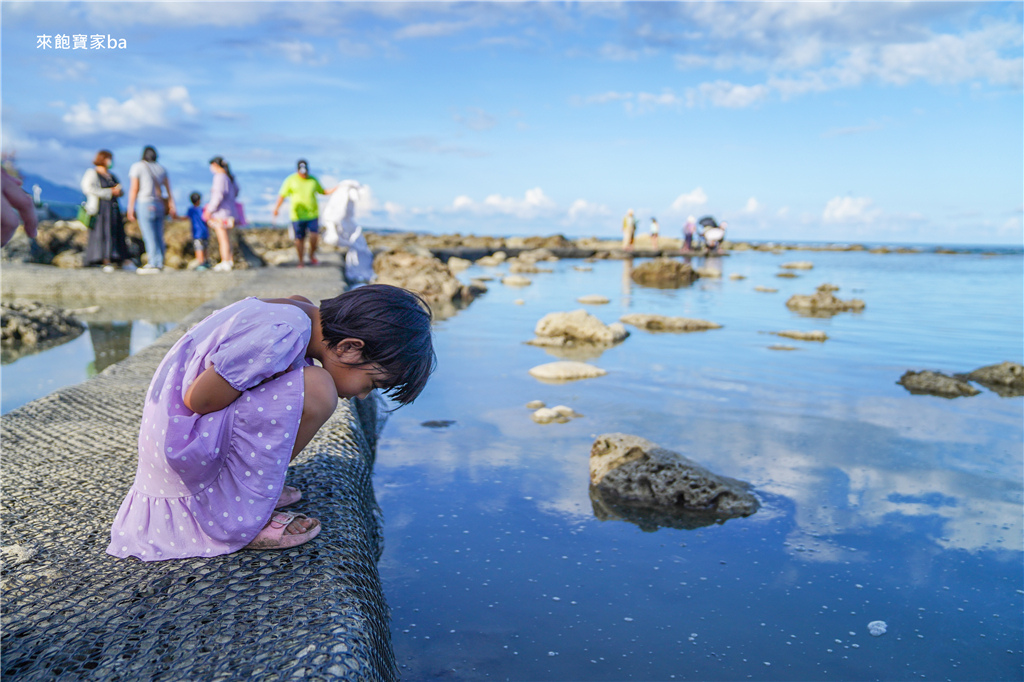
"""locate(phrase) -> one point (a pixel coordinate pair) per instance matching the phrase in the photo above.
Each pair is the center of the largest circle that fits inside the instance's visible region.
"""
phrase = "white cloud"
(849, 210)
(533, 204)
(582, 209)
(144, 109)
(299, 52)
(752, 205)
(731, 95)
(694, 199)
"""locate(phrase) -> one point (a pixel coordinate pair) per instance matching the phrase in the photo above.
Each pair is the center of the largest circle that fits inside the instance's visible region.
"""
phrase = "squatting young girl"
(238, 396)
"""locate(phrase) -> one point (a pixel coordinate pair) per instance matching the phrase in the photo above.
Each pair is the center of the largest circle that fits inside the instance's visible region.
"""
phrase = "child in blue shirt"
(200, 231)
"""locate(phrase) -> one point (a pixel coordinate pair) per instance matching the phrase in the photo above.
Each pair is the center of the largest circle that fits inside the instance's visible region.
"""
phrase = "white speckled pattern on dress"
(207, 484)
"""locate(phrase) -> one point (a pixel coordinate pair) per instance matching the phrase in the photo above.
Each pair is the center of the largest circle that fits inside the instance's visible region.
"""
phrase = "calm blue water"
(877, 504)
(100, 346)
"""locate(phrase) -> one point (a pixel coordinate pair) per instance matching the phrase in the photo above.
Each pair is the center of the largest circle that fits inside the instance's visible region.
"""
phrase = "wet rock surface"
(30, 326)
(427, 276)
(815, 335)
(576, 328)
(635, 480)
(823, 303)
(927, 382)
(663, 323)
(1005, 379)
(566, 370)
(664, 273)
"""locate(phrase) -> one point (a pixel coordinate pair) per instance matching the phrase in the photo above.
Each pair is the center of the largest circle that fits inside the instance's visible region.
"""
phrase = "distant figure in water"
(654, 233)
(628, 230)
(688, 231)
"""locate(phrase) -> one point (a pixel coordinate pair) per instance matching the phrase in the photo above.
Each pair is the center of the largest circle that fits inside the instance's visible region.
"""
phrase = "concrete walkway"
(72, 612)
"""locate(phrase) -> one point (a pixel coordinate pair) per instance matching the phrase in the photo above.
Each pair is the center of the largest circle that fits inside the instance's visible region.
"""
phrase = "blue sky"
(899, 122)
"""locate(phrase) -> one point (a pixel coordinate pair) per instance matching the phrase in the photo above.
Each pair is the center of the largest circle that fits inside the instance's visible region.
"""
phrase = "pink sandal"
(289, 495)
(275, 534)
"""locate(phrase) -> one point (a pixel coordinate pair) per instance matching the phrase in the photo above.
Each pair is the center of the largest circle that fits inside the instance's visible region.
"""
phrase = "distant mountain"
(52, 191)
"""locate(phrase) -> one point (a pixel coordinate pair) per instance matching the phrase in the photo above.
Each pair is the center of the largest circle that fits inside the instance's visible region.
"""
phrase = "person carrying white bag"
(340, 229)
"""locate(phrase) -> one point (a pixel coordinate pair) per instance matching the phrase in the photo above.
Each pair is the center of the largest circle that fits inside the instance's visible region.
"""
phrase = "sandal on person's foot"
(289, 495)
(275, 534)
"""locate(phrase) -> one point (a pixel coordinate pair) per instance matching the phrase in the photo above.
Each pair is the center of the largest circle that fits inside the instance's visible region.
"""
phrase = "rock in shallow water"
(566, 370)
(577, 327)
(636, 480)
(664, 273)
(662, 323)
(823, 303)
(935, 383)
(1006, 378)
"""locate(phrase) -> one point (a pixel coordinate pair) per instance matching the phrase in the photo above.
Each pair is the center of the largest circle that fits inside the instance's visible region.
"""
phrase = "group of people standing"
(711, 233)
(151, 202)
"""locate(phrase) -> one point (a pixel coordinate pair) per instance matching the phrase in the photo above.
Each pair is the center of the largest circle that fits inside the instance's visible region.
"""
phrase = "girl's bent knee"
(321, 397)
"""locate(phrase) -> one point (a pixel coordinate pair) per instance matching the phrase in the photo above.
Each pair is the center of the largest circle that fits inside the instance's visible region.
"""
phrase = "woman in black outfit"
(107, 244)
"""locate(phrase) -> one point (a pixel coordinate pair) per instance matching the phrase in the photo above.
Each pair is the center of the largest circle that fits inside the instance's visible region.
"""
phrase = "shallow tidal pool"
(877, 505)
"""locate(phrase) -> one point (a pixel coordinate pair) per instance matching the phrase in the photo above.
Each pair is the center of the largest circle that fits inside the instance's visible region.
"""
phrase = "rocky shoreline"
(62, 243)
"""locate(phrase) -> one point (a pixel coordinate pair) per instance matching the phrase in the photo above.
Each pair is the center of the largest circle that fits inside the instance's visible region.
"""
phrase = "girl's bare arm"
(210, 392)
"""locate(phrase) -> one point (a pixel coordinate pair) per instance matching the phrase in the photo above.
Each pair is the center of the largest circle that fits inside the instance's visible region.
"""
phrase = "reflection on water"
(107, 342)
(876, 504)
(111, 342)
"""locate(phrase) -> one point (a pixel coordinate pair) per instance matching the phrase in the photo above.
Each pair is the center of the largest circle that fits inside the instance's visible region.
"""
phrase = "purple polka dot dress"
(207, 484)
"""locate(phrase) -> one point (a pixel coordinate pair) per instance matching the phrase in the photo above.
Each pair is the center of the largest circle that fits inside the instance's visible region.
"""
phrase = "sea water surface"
(877, 505)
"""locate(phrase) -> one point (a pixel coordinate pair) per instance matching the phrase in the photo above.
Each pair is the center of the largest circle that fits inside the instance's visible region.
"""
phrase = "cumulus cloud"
(730, 95)
(533, 204)
(849, 210)
(752, 205)
(581, 209)
(145, 109)
(690, 200)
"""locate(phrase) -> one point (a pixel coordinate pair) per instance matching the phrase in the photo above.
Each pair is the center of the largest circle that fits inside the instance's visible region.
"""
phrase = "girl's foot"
(289, 495)
(286, 530)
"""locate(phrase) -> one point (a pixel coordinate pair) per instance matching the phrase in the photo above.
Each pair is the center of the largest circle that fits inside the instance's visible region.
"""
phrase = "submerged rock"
(798, 265)
(636, 480)
(664, 273)
(766, 290)
(1006, 378)
(823, 303)
(593, 299)
(663, 323)
(935, 383)
(566, 370)
(575, 328)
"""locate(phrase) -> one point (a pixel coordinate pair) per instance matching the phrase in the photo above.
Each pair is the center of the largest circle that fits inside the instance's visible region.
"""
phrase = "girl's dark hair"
(394, 326)
(219, 160)
(149, 153)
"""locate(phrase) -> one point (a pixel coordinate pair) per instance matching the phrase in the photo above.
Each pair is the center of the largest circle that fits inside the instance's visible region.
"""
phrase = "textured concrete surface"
(70, 611)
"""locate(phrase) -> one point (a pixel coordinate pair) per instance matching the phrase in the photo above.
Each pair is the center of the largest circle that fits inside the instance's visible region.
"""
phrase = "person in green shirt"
(302, 188)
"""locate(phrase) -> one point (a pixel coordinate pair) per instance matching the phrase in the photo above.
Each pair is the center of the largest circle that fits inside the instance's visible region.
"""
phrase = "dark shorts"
(300, 227)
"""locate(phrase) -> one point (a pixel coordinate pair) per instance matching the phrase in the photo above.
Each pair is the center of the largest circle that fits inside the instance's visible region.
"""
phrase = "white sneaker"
(224, 266)
(147, 270)
(109, 268)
